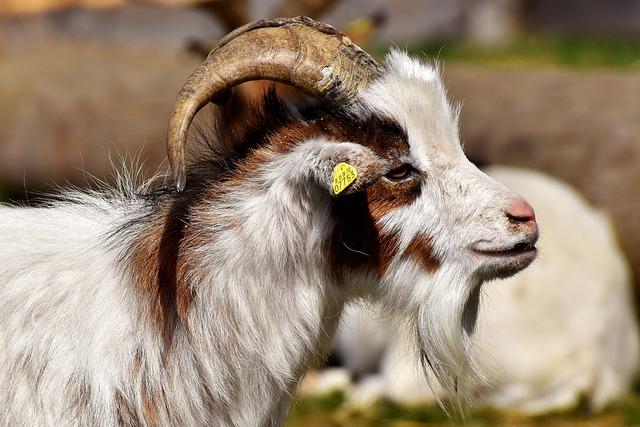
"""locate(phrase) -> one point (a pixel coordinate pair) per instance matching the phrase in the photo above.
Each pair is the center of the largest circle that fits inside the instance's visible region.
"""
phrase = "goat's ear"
(339, 167)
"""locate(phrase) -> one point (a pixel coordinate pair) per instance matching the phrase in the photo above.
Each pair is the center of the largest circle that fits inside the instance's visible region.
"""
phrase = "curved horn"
(314, 57)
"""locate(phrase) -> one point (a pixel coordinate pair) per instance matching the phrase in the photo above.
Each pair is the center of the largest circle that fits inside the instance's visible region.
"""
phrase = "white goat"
(206, 305)
(561, 333)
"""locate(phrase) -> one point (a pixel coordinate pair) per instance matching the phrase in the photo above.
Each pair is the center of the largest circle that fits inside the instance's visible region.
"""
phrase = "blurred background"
(547, 86)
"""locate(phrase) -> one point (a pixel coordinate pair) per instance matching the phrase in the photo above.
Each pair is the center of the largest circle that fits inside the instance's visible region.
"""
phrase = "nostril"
(520, 211)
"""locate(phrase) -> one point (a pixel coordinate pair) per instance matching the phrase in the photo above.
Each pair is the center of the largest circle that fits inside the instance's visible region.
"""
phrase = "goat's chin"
(445, 325)
(501, 266)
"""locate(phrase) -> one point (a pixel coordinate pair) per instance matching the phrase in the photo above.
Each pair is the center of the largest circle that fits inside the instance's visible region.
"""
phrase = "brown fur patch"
(383, 137)
(361, 247)
(160, 264)
(149, 405)
(388, 249)
(421, 250)
(357, 240)
(385, 196)
(126, 414)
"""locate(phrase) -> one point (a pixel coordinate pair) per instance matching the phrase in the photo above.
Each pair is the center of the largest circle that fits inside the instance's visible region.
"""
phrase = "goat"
(205, 305)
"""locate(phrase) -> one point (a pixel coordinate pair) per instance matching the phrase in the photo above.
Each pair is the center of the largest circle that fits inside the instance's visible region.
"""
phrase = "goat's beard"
(444, 326)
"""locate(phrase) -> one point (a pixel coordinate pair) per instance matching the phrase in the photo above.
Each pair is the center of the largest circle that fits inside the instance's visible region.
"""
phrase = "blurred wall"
(407, 21)
(584, 17)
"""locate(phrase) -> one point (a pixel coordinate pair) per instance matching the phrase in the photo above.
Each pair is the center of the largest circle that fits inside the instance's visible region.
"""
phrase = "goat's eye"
(401, 172)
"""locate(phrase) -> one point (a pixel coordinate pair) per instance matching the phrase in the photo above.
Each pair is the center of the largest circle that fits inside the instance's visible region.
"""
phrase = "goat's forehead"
(412, 94)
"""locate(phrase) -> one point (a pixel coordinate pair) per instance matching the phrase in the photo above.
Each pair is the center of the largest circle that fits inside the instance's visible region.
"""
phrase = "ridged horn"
(314, 57)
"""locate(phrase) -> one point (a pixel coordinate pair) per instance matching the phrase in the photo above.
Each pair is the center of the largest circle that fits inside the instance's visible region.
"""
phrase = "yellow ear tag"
(343, 175)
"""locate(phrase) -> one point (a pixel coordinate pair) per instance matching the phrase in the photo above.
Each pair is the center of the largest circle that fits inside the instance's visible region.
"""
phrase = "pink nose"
(520, 211)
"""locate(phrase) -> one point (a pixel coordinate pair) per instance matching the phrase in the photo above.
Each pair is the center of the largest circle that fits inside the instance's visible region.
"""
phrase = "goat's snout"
(523, 220)
(518, 210)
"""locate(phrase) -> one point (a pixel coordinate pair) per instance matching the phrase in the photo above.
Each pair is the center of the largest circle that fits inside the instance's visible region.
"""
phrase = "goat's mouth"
(519, 249)
(503, 262)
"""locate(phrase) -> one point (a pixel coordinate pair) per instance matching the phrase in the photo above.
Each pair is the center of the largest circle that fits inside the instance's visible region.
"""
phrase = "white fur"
(76, 344)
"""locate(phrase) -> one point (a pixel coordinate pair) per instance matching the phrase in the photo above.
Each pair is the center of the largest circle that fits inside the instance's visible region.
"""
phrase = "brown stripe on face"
(357, 240)
(388, 248)
(383, 136)
(420, 249)
(385, 196)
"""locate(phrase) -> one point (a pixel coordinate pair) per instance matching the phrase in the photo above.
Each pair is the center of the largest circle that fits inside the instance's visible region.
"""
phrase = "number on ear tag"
(343, 175)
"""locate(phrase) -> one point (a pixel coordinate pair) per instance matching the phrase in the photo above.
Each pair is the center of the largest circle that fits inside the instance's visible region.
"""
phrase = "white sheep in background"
(561, 331)
(204, 306)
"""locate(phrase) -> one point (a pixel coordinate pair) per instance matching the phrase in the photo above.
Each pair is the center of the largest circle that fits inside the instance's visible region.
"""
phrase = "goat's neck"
(243, 285)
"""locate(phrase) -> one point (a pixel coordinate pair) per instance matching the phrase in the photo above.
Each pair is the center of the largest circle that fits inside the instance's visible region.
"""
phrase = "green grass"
(629, 409)
(318, 405)
(536, 51)
(331, 410)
